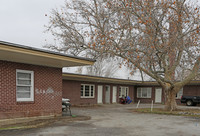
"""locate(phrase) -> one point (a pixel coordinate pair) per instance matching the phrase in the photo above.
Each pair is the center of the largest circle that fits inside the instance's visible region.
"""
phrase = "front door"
(107, 94)
(158, 95)
(114, 96)
(100, 94)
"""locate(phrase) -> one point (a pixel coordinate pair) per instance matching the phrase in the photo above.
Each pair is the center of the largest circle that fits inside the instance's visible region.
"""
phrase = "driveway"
(116, 120)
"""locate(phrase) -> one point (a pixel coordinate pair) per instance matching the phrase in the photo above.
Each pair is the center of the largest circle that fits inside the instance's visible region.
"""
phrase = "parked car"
(190, 100)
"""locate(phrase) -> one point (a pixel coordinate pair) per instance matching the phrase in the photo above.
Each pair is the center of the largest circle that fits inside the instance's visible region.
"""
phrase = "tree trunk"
(171, 104)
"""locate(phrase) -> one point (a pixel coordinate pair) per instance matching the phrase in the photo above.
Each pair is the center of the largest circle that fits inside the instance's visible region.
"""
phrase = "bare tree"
(158, 37)
(71, 35)
(104, 67)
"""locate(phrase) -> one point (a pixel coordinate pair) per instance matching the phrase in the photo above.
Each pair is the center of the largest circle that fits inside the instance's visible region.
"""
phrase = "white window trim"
(32, 87)
(147, 92)
(121, 90)
(89, 91)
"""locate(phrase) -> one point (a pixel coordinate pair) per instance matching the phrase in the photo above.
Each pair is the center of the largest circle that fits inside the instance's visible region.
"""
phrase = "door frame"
(108, 94)
(156, 95)
(114, 95)
(99, 93)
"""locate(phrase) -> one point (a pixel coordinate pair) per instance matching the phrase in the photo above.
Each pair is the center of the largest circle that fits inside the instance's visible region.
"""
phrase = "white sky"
(22, 21)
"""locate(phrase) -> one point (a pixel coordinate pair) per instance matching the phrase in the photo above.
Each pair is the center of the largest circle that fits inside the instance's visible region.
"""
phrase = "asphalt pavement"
(116, 120)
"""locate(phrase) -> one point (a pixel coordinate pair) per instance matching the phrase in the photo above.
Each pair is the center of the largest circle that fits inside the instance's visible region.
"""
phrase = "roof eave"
(98, 79)
(23, 54)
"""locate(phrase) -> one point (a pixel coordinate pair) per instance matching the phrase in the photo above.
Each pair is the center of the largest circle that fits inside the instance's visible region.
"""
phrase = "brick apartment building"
(32, 84)
(88, 90)
(31, 80)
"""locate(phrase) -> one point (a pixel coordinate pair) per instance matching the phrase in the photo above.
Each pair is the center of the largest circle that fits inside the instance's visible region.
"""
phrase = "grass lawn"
(179, 112)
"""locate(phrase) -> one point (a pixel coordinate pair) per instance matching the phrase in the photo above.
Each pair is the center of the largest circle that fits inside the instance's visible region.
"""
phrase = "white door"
(100, 94)
(158, 95)
(107, 94)
(114, 96)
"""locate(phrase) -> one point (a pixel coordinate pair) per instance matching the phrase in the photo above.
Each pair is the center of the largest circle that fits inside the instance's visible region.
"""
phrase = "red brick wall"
(145, 100)
(131, 93)
(189, 90)
(193, 90)
(148, 100)
(44, 103)
(71, 90)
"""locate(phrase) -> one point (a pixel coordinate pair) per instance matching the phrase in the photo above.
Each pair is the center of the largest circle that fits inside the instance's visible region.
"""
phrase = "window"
(123, 91)
(87, 91)
(179, 94)
(24, 85)
(144, 92)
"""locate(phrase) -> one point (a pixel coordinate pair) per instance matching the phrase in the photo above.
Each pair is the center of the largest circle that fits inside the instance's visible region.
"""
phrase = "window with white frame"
(179, 94)
(123, 91)
(144, 92)
(87, 91)
(24, 85)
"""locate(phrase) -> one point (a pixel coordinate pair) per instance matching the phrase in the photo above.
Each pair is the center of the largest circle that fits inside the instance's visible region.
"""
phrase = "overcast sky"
(22, 21)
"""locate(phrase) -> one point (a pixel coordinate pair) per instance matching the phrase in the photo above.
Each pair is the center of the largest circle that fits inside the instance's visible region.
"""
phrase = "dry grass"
(178, 112)
(45, 122)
